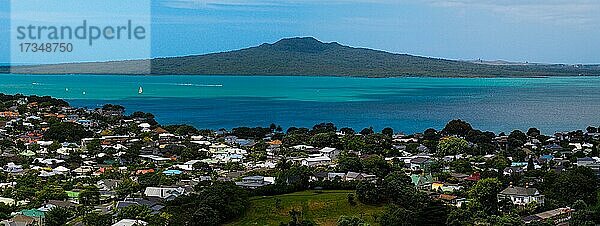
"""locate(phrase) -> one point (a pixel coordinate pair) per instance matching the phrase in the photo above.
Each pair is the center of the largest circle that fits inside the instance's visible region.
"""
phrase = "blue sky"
(552, 31)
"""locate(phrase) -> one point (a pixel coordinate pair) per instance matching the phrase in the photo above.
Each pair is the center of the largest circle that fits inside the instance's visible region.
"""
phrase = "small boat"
(140, 90)
(83, 93)
(66, 89)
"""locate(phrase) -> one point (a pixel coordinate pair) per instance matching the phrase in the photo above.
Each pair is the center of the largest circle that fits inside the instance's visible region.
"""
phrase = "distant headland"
(303, 56)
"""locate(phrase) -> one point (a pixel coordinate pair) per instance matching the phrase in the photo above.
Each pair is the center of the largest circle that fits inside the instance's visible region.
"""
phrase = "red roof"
(144, 171)
(474, 177)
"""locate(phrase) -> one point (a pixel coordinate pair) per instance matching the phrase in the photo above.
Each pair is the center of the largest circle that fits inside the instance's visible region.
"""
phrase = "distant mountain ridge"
(309, 56)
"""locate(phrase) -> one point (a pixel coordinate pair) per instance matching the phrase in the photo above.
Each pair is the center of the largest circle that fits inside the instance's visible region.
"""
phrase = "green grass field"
(322, 207)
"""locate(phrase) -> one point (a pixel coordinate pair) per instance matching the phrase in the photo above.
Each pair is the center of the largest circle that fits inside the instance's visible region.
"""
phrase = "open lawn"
(322, 207)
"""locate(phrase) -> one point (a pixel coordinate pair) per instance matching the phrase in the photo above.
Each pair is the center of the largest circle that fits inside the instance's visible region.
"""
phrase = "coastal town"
(63, 165)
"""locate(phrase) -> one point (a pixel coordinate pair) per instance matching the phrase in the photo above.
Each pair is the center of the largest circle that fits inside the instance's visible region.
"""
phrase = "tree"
(57, 216)
(137, 212)
(388, 131)
(6, 210)
(369, 193)
(376, 164)
(126, 188)
(461, 166)
(186, 130)
(398, 216)
(97, 219)
(399, 190)
(351, 199)
(93, 146)
(431, 134)
(484, 194)
(350, 162)
(457, 127)
(506, 219)
(452, 146)
(591, 129)
(530, 165)
(66, 132)
(54, 146)
(367, 131)
(518, 135)
(533, 132)
(211, 205)
(206, 215)
(347, 131)
(51, 192)
(329, 139)
(113, 107)
(297, 219)
(579, 183)
(478, 137)
(324, 128)
(90, 196)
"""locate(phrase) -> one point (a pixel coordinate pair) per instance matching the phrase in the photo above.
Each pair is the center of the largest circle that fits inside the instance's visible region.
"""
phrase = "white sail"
(140, 91)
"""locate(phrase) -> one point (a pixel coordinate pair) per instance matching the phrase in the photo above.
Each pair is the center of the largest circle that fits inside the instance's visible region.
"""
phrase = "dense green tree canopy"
(67, 132)
(452, 146)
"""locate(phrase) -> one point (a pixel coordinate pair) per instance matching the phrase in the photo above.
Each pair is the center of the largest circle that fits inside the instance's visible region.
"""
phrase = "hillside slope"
(308, 56)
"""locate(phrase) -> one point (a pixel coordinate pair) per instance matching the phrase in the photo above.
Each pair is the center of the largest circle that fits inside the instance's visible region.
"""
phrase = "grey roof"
(419, 160)
(253, 178)
(586, 159)
(61, 203)
(352, 174)
(123, 204)
(513, 169)
(520, 191)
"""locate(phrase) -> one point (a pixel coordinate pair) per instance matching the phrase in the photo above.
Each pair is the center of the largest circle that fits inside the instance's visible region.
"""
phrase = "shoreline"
(330, 76)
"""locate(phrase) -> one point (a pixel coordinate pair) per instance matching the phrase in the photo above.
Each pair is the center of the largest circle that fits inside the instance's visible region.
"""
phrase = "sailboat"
(140, 90)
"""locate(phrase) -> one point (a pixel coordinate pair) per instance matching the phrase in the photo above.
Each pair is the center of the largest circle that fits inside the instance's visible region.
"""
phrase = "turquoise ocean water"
(408, 104)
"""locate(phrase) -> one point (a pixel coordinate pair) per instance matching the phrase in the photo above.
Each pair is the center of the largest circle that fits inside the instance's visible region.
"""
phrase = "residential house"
(513, 170)
(253, 182)
(445, 187)
(333, 176)
(7, 201)
(130, 222)
(420, 163)
(452, 200)
(585, 161)
(557, 216)
(352, 176)
(332, 153)
(12, 168)
(108, 184)
(154, 206)
(155, 159)
(21, 220)
(521, 195)
(422, 181)
(164, 193)
(316, 161)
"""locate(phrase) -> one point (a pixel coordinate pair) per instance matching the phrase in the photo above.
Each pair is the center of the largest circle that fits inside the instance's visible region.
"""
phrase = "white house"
(521, 195)
(163, 193)
(316, 161)
(332, 153)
